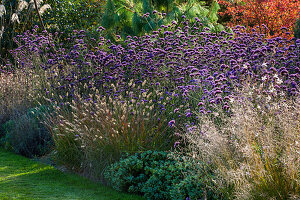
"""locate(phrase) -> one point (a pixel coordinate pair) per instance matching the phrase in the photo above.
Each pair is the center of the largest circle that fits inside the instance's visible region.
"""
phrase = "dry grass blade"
(257, 150)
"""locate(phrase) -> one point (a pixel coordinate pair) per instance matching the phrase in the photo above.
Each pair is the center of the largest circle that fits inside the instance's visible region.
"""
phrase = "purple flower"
(188, 114)
(171, 123)
(225, 107)
(218, 91)
(200, 104)
(176, 144)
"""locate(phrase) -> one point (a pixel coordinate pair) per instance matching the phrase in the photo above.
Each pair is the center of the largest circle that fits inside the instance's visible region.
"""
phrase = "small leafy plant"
(158, 175)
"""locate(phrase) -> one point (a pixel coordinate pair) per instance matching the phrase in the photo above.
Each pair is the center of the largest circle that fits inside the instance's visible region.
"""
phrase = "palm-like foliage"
(136, 17)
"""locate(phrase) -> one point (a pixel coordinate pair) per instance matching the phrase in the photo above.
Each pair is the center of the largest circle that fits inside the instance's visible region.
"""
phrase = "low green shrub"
(26, 134)
(158, 175)
(4, 129)
(193, 187)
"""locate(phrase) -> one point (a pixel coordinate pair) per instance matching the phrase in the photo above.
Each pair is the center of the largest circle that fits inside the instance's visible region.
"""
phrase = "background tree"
(274, 14)
(68, 15)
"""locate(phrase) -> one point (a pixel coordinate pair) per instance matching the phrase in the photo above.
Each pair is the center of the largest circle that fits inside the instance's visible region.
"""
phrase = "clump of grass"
(256, 151)
(27, 135)
(91, 133)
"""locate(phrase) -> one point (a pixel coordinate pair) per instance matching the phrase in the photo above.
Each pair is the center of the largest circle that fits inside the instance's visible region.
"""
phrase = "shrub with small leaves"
(156, 175)
(194, 187)
(132, 172)
(3, 136)
(68, 15)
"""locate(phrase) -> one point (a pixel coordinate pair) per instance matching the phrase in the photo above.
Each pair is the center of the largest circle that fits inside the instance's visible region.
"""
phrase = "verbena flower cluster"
(110, 99)
(187, 68)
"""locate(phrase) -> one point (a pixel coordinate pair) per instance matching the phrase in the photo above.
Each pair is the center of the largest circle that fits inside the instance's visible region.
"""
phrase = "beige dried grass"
(257, 149)
(100, 131)
(18, 92)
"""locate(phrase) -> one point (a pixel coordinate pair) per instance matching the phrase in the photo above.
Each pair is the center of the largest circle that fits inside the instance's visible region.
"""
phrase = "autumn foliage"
(269, 15)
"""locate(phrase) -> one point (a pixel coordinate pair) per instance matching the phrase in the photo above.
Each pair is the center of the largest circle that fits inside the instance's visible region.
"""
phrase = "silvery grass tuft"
(18, 11)
(256, 151)
(2, 13)
(16, 18)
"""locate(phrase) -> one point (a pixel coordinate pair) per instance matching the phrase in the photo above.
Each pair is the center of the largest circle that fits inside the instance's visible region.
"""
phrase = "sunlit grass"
(21, 178)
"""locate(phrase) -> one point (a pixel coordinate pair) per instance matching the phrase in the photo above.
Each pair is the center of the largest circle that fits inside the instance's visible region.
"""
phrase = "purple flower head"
(176, 144)
(188, 114)
(171, 123)
(200, 104)
(225, 107)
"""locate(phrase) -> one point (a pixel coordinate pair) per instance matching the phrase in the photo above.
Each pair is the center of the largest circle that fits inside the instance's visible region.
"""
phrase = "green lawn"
(21, 178)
